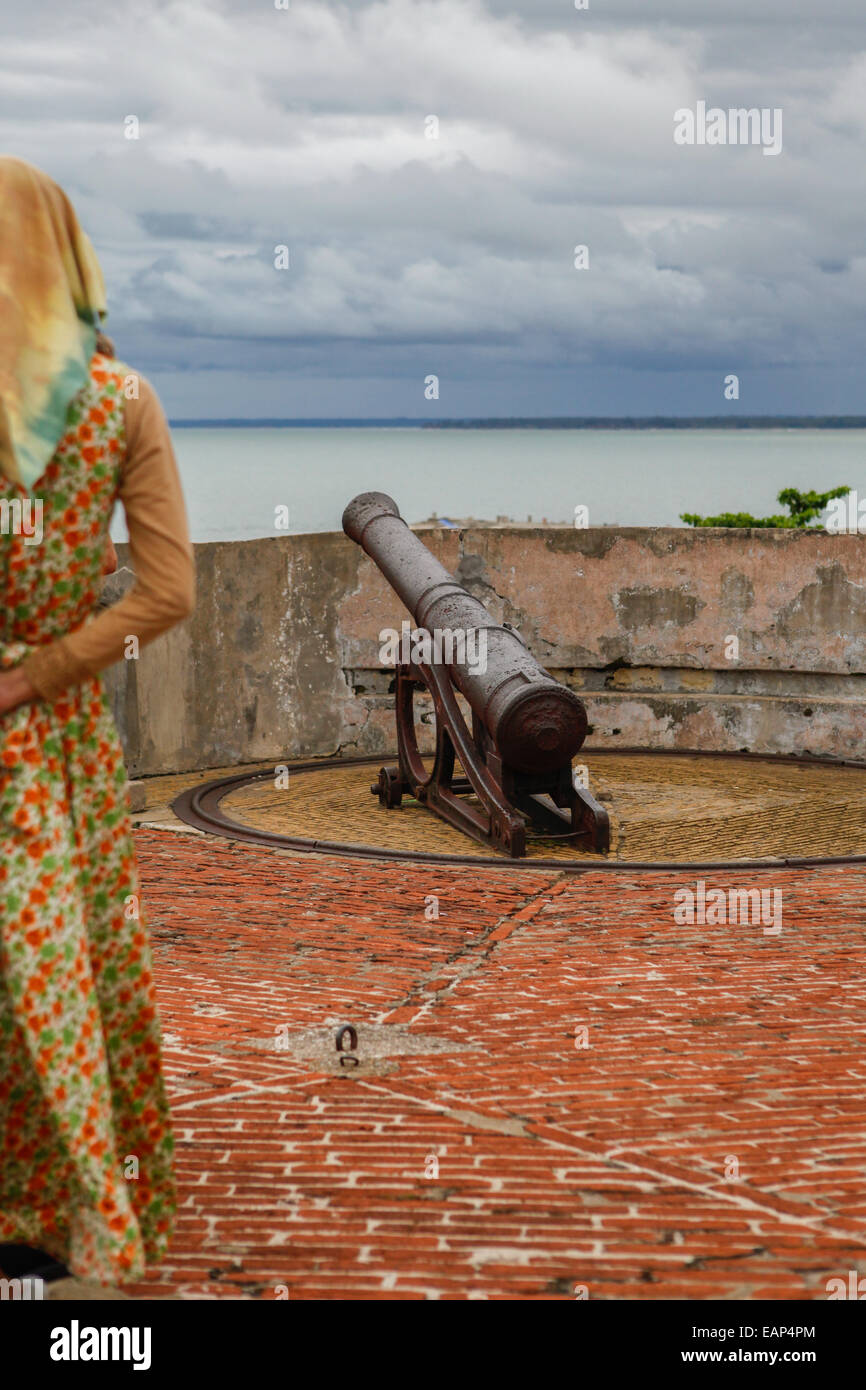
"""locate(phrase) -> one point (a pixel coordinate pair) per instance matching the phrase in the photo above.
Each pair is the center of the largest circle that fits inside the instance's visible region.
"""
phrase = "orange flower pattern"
(85, 1136)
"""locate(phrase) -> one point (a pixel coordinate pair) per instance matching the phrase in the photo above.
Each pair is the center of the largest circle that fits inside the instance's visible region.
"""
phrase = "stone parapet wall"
(281, 657)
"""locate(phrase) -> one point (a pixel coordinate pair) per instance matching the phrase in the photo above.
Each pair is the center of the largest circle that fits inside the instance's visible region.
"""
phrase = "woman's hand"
(109, 558)
(15, 689)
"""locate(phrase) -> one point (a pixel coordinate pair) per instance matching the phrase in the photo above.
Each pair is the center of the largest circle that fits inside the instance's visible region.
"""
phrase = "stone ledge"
(285, 639)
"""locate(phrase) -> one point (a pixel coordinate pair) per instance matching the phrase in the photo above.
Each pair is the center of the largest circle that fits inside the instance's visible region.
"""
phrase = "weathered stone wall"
(280, 658)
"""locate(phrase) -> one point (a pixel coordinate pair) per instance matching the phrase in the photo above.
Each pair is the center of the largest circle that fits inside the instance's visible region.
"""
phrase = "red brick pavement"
(709, 1141)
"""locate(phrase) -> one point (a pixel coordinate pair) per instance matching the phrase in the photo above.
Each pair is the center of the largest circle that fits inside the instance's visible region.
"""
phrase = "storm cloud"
(309, 127)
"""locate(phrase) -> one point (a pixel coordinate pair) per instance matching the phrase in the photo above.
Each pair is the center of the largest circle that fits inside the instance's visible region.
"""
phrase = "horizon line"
(526, 421)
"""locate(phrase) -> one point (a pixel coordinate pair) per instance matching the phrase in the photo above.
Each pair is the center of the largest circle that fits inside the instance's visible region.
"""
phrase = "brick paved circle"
(708, 1140)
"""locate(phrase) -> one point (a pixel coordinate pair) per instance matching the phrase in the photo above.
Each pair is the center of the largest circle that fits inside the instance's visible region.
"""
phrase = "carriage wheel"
(390, 787)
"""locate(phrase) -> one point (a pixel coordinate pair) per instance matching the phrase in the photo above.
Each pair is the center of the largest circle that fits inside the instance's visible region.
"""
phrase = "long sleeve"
(160, 551)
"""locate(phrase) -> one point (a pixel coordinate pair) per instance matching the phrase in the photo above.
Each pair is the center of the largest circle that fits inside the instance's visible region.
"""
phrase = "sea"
(236, 478)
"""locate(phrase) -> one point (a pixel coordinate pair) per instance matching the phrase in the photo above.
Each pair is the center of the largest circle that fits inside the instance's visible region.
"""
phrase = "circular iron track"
(199, 808)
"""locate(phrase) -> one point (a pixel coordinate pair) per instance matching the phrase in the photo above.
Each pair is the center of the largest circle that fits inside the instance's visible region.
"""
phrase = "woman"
(86, 1180)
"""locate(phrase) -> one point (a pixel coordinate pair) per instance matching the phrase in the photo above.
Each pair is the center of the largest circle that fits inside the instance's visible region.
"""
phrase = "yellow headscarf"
(52, 297)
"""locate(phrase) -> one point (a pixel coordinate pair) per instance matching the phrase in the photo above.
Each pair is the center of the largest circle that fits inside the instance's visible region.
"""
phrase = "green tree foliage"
(804, 509)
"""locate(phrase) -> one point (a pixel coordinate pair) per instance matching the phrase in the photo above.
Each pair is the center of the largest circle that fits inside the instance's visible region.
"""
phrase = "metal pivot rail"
(200, 807)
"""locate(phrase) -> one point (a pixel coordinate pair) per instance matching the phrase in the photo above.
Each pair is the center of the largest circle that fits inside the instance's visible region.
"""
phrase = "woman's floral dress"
(85, 1138)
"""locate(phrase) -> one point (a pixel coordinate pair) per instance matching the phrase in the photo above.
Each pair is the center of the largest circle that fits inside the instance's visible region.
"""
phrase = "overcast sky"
(409, 256)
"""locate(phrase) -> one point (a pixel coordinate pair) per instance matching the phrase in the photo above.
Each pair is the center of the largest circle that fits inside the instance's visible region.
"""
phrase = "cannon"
(526, 727)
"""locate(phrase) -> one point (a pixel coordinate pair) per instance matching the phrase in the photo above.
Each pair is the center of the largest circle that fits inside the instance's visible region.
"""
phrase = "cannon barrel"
(536, 724)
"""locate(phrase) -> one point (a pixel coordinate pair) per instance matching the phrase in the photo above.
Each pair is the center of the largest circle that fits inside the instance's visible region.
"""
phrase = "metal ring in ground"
(200, 807)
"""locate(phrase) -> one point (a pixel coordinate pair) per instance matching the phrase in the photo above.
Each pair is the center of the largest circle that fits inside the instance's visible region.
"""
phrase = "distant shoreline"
(601, 422)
